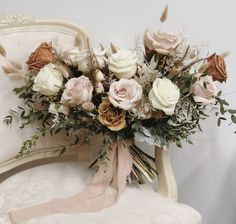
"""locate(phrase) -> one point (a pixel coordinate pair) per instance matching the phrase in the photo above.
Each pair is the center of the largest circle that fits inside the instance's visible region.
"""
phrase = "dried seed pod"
(225, 54)
(164, 14)
(113, 48)
(16, 75)
(9, 69)
(79, 42)
(16, 65)
(3, 51)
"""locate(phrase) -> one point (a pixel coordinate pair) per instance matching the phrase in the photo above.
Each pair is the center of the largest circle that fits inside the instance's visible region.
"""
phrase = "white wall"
(206, 171)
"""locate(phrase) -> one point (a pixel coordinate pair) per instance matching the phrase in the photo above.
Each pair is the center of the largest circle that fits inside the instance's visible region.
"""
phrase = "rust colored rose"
(110, 116)
(42, 56)
(217, 68)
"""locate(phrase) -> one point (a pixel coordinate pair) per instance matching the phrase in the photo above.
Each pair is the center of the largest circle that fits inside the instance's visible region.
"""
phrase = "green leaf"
(62, 151)
(222, 110)
(190, 142)
(220, 119)
(219, 93)
(219, 122)
(225, 102)
(223, 118)
(232, 111)
(233, 118)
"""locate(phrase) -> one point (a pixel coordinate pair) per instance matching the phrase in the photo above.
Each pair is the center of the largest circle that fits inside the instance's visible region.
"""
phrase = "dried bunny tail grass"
(225, 54)
(16, 75)
(3, 51)
(9, 69)
(79, 42)
(13, 72)
(16, 65)
(164, 14)
(113, 48)
(203, 68)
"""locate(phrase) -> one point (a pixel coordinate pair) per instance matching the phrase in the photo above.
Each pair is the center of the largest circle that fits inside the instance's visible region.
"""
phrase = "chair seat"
(138, 204)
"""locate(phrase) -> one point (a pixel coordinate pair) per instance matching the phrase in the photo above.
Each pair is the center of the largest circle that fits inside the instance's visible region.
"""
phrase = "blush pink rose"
(78, 91)
(124, 93)
(162, 42)
(204, 89)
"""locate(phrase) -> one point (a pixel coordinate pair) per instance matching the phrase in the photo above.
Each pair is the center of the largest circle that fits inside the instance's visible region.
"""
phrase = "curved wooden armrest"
(167, 183)
(43, 156)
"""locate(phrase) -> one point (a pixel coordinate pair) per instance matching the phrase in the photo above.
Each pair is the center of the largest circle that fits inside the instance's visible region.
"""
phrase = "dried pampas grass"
(16, 65)
(113, 48)
(14, 71)
(9, 69)
(79, 42)
(225, 54)
(164, 14)
(3, 51)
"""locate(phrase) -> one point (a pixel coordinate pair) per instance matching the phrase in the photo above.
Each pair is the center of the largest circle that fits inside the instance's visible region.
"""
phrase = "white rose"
(164, 95)
(204, 89)
(48, 81)
(124, 93)
(162, 42)
(123, 64)
(80, 57)
(78, 91)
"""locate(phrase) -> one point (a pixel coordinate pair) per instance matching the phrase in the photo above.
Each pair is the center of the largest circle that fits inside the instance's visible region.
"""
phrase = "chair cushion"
(138, 204)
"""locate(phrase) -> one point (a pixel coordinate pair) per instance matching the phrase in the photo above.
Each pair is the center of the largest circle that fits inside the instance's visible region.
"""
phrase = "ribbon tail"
(94, 197)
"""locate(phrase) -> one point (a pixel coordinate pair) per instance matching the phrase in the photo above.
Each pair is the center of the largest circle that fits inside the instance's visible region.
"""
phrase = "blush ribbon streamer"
(94, 197)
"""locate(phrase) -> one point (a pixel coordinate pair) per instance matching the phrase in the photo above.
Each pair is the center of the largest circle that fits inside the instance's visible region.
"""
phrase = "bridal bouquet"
(156, 93)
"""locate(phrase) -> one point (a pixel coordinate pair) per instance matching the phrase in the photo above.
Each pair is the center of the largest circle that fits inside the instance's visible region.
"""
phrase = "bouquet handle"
(166, 179)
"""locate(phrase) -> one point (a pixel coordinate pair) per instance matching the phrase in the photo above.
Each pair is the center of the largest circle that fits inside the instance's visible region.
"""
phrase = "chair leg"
(167, 183)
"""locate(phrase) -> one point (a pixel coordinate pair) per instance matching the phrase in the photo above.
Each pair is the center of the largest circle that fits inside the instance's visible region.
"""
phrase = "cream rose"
(164, 95)
(78, 91)
(79, 57)
(123, 64)
(48, 81)
(124, 93)
(204, 89)
(162, 42)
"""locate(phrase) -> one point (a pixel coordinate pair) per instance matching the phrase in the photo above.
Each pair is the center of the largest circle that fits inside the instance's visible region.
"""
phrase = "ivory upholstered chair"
(139, 204)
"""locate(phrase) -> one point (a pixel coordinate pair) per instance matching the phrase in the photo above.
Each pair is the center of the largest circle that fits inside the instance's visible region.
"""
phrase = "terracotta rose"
(217, 68)
(42, 56)
(110, 116)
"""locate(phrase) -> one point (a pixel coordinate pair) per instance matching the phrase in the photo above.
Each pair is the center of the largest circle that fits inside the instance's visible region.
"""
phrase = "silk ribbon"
(95, 196)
